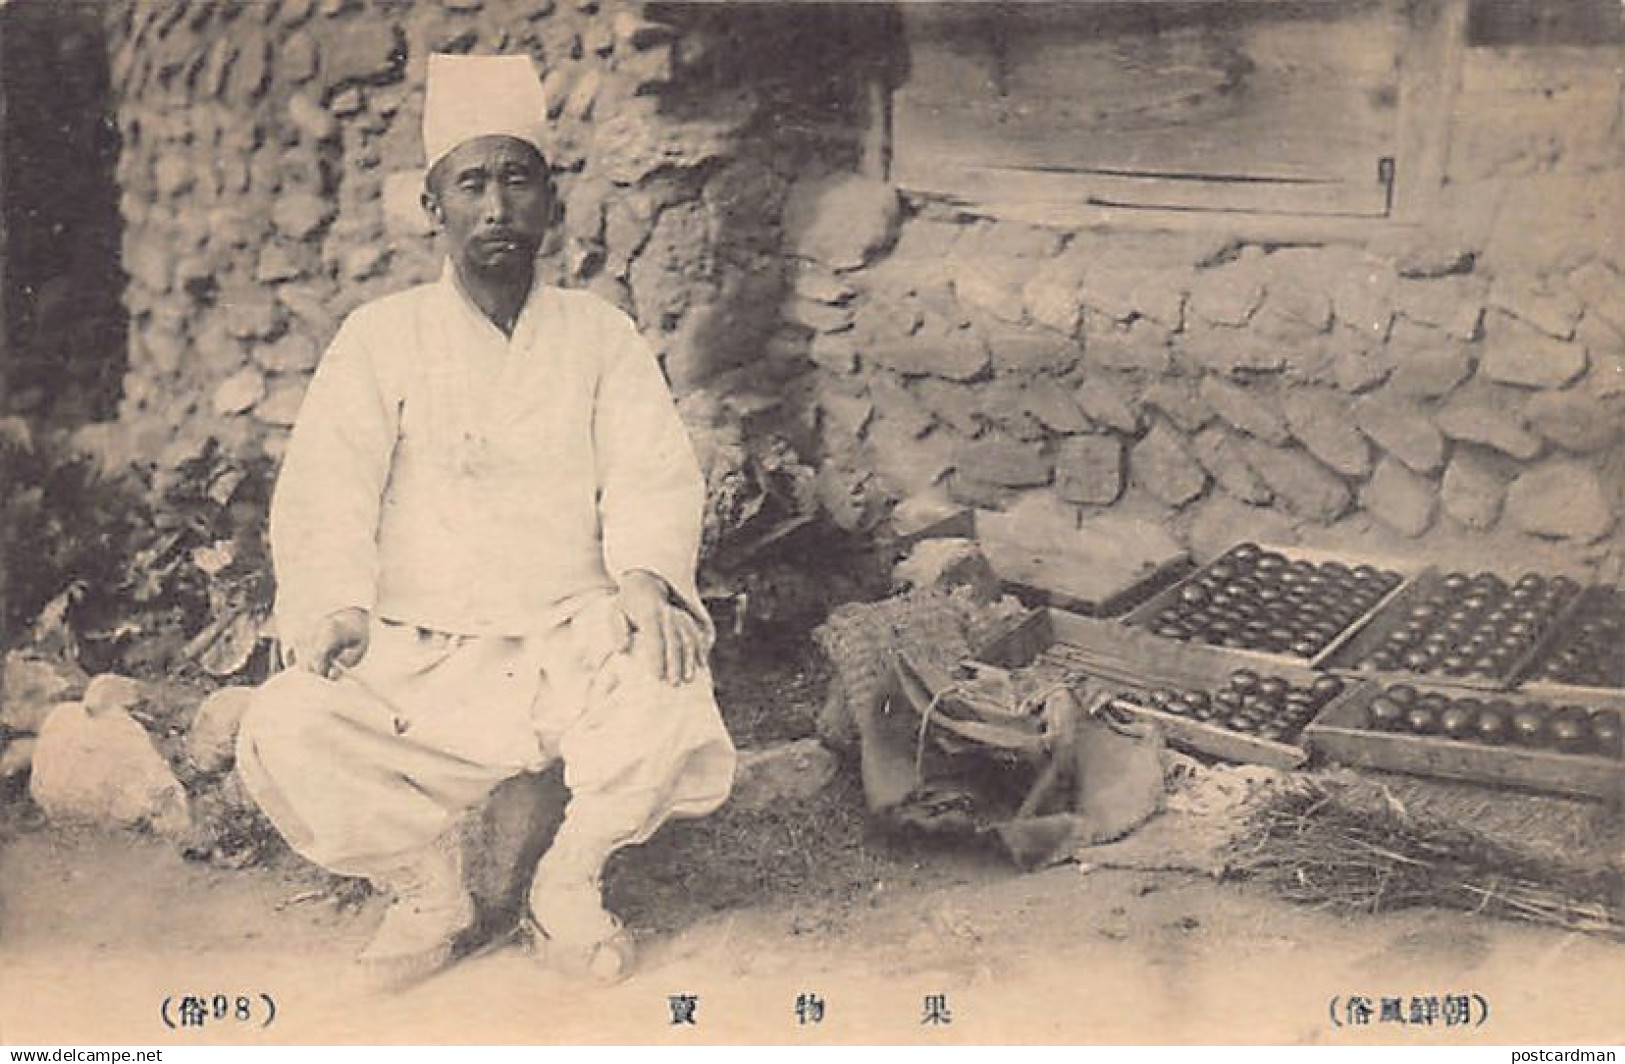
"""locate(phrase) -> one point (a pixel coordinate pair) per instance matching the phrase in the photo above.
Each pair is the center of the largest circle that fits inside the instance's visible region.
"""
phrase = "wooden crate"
(1339, 734)
(1144, 662)
(1144, 614)
(1344, 656)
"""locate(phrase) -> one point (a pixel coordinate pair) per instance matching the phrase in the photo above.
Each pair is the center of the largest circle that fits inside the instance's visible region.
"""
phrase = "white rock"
(239, 392)
(792, 771)
(110, 693)
(104, 770)
(211, 742)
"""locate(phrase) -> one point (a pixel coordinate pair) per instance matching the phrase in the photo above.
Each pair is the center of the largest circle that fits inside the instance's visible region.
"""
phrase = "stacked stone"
(271, 173)
(1223, 389)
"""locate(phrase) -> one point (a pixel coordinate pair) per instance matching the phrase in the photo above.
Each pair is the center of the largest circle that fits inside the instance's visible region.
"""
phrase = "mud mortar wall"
(271, 169)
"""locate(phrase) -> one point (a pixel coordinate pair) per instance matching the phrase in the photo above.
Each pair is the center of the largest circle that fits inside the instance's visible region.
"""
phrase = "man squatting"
(485, 534)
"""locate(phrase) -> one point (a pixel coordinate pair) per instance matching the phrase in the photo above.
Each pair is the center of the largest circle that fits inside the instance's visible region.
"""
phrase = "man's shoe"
(572, 933)
(428, 913)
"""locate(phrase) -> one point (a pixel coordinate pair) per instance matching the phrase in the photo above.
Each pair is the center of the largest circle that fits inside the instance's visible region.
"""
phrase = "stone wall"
(271, 170)
(1453, 392)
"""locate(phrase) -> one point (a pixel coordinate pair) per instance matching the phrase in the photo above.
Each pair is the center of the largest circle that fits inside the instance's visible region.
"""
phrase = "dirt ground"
(748, 911)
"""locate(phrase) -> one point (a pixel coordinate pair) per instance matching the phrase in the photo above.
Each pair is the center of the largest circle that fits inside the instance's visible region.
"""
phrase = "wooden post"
(1430, 79)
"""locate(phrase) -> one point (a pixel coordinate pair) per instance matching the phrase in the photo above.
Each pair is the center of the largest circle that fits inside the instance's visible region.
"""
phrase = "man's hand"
(664, 634)
(339, 639)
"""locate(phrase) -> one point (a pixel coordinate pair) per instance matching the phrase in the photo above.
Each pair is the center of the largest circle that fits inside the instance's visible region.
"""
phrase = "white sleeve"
(651, 492)
(324, 513)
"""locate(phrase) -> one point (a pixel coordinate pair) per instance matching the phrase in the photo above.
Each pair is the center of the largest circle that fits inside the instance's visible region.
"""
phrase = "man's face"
(493, 197)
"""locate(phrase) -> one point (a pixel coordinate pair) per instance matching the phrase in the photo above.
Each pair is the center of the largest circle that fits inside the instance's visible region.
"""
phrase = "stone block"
(314, 122)
(1304, 486)
(368, 50)
(1427, 363)
(1089, 470)
(1227, 295)
(239, 392)
(1004, 402)
(1177, 401)
(1108, 405)
(896, 402)
(955, 406)
(1453, 304)
(276, 265)
(842, 221)
(959, 355)
(1488, 420)
(282, 401)
(1574, 421)
(300, 215)
(297, 59)
(1051, 299)
(1518, 354)
(1142, 345)
(251, 314)
(1221, 455)
(908, 463)
(1244, 410)
(993, 286)
(1551, 310)
(1562, 500)
(1163, 465)
(1472, 490)
(1232, 351)
(1603, 291)
(1403, 430)
(1055, 406)
(834, 352)
(103, 770)
(1160, 295)
(1323, 422)
(1399, 498)
(1004, 462)
(1363, 299)
(1358, 369)
(1031, 351)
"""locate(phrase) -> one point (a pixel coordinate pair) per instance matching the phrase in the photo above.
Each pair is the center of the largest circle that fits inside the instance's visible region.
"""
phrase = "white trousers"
(361, 771)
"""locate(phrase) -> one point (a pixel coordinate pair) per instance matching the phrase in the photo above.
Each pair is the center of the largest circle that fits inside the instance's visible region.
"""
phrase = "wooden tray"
(1035, 580)
(1339, 734)
(1142, 615)
(1558, 690)
(1143, 662)
(1343, 657)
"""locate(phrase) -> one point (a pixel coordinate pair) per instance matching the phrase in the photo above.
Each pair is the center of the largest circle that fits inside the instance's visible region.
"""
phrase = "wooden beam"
(1430, 81)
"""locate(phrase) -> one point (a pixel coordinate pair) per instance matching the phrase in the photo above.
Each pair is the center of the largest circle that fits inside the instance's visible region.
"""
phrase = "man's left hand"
(664, 634)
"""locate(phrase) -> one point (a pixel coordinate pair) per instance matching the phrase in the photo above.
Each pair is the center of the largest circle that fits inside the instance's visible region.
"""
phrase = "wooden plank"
(931, 172)
(1339, 733)
(1055, 105)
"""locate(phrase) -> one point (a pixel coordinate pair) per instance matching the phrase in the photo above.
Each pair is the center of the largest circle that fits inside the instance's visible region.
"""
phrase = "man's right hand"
(339, 639)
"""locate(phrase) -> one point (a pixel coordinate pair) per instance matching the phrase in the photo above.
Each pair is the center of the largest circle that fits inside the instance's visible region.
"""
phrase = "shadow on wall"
(62, 327)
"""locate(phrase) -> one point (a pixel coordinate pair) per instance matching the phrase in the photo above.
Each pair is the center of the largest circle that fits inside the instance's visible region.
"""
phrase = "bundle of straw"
(1311, 848)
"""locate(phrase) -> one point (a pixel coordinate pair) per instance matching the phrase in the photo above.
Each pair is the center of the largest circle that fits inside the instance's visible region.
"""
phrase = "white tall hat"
(472, 96)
